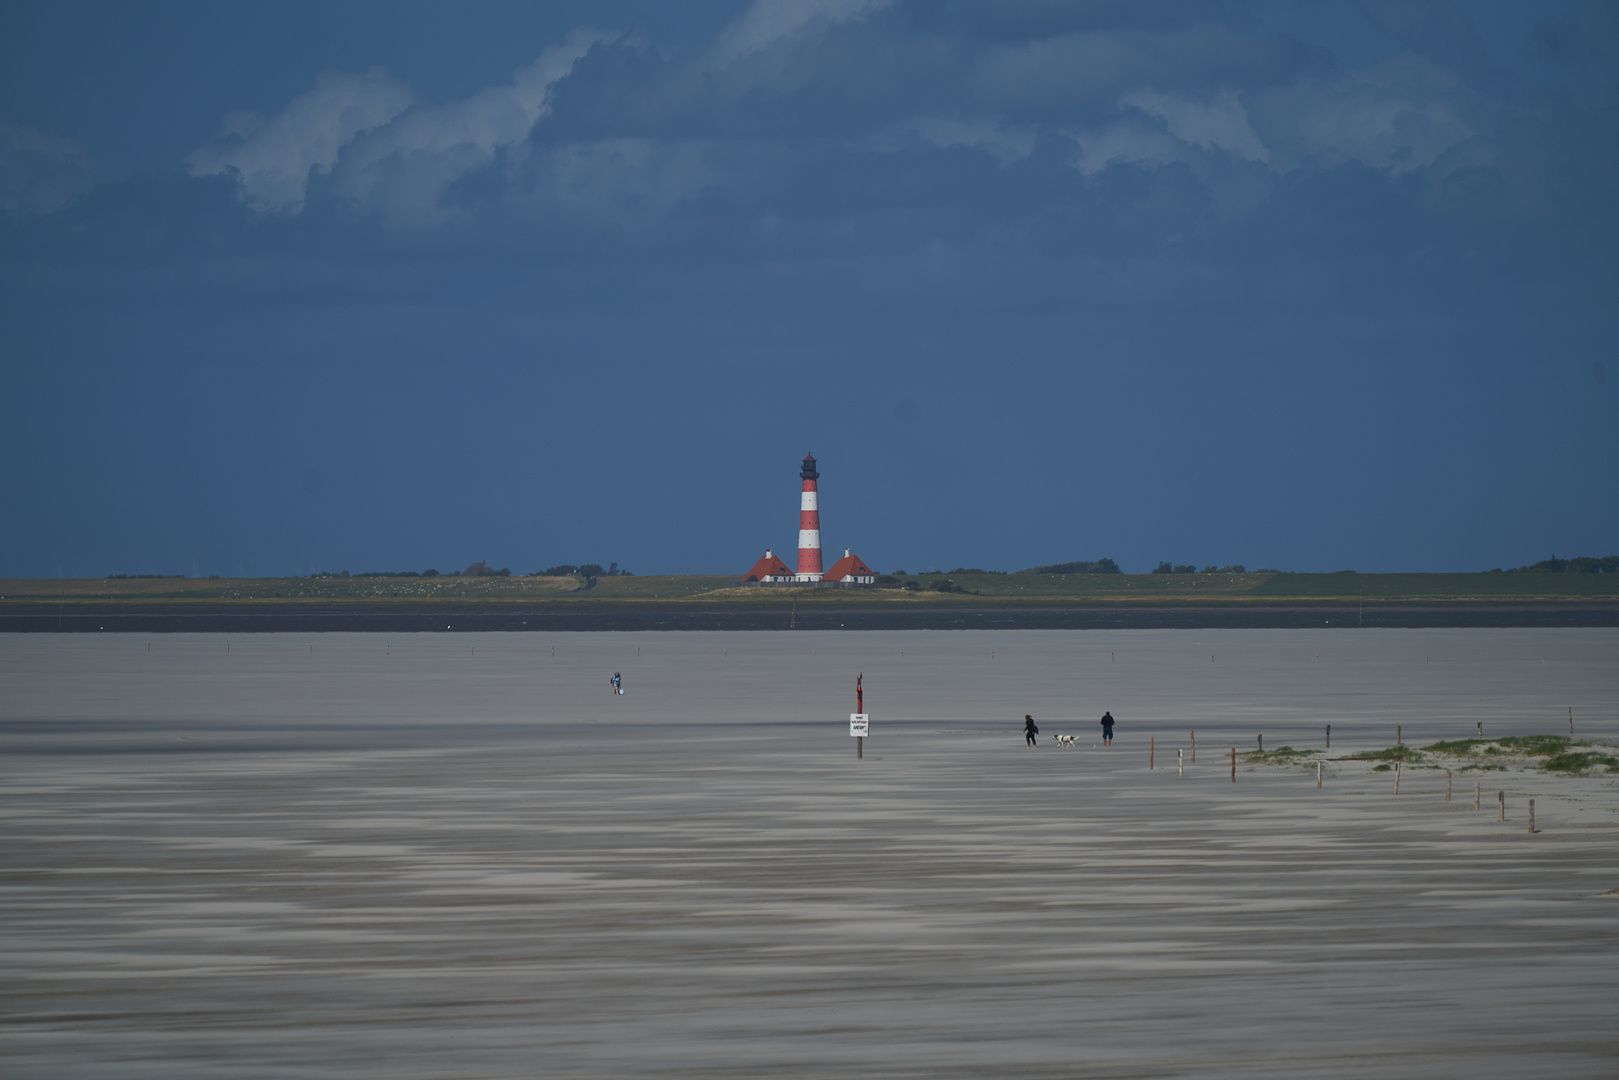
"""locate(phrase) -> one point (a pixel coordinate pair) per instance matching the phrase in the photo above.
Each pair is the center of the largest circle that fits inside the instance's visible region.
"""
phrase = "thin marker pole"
(1180, 763)
(1318, 776)
(1151, 743)
(1262, 744)
(1329, 736)
(1571, 719)
(1397, 740)
(1481, 729)
(1233, 764)
(1475, 794)
(1396, 778)
(859, 707)
(1501, 797)
(1531, 815)
(1194, 748)
(1447, 785)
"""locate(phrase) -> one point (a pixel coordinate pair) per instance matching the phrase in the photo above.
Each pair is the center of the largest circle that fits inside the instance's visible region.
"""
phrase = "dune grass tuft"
(1282, 755)
(1393, 753)
(1456, 747)
(1578, 761)
(1535, 745)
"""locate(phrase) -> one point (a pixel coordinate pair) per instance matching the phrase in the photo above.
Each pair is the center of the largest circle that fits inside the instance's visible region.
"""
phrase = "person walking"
(1030, 731)
(618, 683)
(1107, 729)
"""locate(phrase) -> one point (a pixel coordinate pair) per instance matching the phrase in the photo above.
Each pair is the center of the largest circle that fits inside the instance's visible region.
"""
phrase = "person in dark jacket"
(1029, 731)
(1107, 729)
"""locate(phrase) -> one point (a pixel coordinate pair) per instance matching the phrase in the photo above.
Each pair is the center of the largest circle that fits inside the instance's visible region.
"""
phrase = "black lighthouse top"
(808, 471)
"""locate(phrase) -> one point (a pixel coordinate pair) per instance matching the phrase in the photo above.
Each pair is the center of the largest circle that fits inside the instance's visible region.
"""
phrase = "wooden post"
(1531, 815)
(1194, 748)
(1447, 785)
(1180, 763)
(1329, 736)
(1501, 797)
(1396, 778)
(1481, 729)
(1396, 734)
(1571, 719)
(859, 707)
(1151, 743)
(1475, 794)
(1262, 744)
(1318, 776)
(1233, 764)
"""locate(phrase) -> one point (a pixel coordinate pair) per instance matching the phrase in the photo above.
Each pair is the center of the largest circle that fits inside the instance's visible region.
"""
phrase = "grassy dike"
(1342, 590)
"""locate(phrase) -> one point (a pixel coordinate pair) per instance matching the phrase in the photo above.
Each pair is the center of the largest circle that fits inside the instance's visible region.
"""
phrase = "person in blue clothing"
(1107, 729)
(1030, 731)
(618, 683)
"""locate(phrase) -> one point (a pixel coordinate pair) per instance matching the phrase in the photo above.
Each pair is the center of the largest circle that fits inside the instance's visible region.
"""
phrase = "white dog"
(1064, 740)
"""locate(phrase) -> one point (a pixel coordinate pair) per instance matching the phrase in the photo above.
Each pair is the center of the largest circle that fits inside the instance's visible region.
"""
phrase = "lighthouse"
(809, 524)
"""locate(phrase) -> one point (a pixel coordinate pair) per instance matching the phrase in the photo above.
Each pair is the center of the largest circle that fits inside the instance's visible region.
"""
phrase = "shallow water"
(424, 855)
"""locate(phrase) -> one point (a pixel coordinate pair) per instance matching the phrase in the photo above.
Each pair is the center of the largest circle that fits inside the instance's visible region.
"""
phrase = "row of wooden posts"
(1399, 738)
(1180, 768)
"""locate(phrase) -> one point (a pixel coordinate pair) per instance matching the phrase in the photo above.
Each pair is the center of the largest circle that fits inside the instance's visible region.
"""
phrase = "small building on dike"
(769, 570)
(850, 570)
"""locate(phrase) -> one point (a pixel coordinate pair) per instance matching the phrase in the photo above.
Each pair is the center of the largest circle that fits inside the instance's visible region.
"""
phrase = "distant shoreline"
(270, 616)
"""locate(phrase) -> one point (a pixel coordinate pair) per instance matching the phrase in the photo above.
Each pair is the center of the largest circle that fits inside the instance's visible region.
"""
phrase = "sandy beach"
(458, 855)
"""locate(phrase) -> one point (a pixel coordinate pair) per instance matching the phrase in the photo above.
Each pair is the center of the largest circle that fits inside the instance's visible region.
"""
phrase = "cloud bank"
(843, 124)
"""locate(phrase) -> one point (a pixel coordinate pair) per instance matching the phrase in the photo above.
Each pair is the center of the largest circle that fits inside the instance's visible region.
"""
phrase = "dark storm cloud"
(1083, 129)
(1108, 130)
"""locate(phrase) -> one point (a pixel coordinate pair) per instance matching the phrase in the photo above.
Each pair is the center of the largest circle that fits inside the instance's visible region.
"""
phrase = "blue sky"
(385, 286)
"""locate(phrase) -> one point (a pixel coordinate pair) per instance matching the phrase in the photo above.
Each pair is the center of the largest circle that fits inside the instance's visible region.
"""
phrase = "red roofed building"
(769, 568)
(850, 570)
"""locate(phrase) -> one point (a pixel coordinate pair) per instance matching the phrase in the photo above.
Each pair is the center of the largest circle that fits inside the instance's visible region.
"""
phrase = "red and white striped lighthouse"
(809, 524)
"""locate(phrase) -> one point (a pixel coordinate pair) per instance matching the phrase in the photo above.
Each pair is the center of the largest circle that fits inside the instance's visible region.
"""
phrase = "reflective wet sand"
(460, 856)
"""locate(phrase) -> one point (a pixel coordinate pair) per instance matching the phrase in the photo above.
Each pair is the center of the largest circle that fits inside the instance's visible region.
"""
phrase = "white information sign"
(858, 723)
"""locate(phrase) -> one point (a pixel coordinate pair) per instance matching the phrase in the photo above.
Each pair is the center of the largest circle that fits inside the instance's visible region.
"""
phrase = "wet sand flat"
(457, 855)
